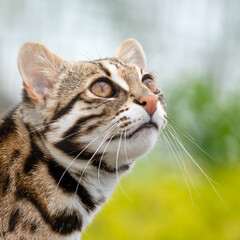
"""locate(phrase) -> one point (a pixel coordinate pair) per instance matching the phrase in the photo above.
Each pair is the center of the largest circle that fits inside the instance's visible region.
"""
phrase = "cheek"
(159, 117)
(130, 120)
(137, 113)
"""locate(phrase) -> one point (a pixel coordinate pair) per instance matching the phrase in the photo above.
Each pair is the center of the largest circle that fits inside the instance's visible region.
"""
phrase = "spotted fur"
(63, 148)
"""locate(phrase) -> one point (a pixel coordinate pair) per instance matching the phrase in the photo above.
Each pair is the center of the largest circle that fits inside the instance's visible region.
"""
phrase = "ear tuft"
(40, 69)
(131, 51)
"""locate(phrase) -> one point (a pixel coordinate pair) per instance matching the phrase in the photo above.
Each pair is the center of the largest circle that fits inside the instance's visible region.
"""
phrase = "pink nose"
(150, 103)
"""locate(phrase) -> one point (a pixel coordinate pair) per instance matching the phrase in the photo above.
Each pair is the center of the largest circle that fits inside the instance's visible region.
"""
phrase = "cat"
(79, 128)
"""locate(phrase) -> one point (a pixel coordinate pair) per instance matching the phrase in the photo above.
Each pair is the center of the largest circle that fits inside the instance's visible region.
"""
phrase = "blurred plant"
(209, 114)
(161, 209)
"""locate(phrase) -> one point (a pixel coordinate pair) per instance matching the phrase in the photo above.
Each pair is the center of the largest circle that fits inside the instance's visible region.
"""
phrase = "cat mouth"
(147, 125)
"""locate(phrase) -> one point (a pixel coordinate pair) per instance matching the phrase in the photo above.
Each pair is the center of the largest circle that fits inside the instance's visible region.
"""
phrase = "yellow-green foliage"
(161, 206)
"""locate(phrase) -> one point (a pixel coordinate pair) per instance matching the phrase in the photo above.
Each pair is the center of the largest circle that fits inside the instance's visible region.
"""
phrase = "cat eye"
(102, 89)
(150, 84)
(157, 91)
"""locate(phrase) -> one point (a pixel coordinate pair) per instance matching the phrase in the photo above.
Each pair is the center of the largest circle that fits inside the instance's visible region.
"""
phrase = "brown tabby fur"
(32, 206)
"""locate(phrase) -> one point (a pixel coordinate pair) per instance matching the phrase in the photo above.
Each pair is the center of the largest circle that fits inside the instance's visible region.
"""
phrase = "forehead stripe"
(116, 78)
(103, 68)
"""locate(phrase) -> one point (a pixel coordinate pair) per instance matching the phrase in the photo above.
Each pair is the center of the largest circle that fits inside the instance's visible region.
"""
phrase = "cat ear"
(131, 51)
(40, 69)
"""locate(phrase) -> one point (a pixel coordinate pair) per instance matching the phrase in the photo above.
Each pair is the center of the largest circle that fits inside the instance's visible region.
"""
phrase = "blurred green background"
(194, 49)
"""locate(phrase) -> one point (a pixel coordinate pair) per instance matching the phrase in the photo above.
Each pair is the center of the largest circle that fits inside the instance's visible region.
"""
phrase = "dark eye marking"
(147, 76)
(103, 68)
(104, 87)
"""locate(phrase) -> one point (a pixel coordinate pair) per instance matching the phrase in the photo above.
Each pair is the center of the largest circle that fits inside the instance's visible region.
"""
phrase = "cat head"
(104, 109)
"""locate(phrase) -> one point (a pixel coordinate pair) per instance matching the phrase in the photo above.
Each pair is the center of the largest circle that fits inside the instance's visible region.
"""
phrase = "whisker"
(85, 168)
(100, 162)
(195, 144)
(125, 147)
(189, 138)
(76, 158)
(181, 169)
(179, 152)
(37, 129)
(117, 158)
(188, 154)
(170, 156)
(79, 131)
(82, 152)
(197, 165)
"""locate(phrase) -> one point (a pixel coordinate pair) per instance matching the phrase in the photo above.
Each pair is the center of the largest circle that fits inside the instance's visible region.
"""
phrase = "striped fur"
(61, 157)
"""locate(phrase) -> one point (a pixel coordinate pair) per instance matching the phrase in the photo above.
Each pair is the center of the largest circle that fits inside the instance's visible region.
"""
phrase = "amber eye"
(102, 89)
(150, 84)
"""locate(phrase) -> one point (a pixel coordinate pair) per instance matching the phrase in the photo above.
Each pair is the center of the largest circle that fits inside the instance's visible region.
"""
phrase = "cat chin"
(137, 145)
(142, 142)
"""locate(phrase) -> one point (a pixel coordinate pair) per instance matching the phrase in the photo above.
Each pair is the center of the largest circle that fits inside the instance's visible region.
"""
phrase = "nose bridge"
(149, 103)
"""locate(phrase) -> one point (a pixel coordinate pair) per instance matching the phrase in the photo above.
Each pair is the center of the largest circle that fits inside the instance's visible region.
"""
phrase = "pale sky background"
(180, 38)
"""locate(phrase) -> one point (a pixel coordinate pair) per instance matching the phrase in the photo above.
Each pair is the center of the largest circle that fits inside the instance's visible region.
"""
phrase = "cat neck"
(70, 194)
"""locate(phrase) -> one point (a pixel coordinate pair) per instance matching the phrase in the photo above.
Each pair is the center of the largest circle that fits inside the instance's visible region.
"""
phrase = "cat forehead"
(120, 72)
(123, 74)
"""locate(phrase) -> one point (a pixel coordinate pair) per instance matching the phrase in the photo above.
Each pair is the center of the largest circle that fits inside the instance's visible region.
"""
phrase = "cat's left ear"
(40, 69)
(131, 51)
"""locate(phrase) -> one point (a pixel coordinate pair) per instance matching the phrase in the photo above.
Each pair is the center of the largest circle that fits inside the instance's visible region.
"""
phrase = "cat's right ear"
(131, 51)
(40, 70)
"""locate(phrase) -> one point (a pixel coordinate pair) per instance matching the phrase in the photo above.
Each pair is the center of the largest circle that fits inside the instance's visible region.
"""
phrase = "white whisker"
(83, 151)
(179, 152)
(100, 162)
(197, 165)
(117, 157)
(170, 156)
(85, 168)
(178, 162)
(189, 138)
(125, 147)
(76, 158)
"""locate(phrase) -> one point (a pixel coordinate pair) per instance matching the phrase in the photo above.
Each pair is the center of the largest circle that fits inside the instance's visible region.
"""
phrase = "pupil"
(103, 86)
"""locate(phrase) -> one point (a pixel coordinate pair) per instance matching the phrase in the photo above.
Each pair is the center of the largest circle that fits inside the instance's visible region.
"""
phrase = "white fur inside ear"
(39, 68)
(131, 51)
